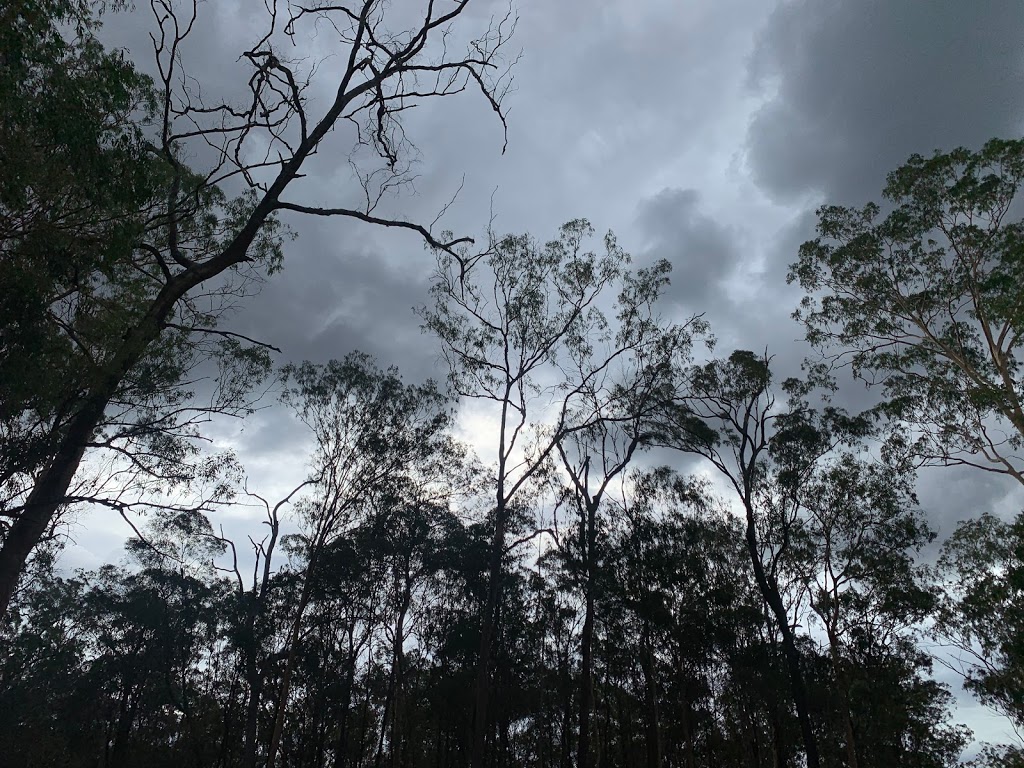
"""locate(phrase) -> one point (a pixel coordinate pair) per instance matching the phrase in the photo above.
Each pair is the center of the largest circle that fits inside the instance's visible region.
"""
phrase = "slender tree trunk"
(341, 744)
(289, 667)
(779, 757)
(126, 717)
(565, 737)
(770, 593)
(364, 724)
(606, 720)
(397, 671)
(844, 695)
(384, 720)
(754, 754)
(252, 707)
(486, 638)
(686, 719)
(625, 732)
(651, 715)
(585, 758)
(320, 727)
(228, 735)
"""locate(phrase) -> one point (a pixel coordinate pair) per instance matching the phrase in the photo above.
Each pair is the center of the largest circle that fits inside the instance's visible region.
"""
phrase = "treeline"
(576, 597)
(158, 665)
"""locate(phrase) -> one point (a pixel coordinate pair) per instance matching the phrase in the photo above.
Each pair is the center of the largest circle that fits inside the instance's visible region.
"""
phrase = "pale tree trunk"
(844, 694)
(651, 715)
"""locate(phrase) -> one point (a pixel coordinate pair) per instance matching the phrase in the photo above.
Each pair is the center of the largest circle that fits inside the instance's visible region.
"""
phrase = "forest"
(597, 538)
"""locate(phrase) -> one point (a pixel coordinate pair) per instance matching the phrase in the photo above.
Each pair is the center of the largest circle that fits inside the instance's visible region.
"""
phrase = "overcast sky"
(705, 132)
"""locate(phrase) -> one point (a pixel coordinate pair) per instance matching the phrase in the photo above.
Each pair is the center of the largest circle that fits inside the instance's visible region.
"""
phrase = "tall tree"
(767, 454)
(524, 332)
(127, 310)
(925, 303)
(859, 535)
(373, 435)
(619, 411)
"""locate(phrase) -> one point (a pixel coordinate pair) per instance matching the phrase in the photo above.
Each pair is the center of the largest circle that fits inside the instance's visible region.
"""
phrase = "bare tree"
(193, 251)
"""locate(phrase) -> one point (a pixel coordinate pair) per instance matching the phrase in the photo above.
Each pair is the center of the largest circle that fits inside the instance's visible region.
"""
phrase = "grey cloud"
(862, 85)
(343, 290)
(746, 309)
(856, 88)
(702, 251)
(951, 494)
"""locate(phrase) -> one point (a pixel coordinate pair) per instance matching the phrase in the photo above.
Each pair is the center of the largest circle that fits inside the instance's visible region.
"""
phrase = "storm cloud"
(859, 86)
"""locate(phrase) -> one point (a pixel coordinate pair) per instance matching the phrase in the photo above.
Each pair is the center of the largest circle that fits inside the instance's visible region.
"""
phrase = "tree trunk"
(47, 496)
(651, 715)
(585, 758)
(770, 593)
(50, 489)
(341, 744)
(289, 667)
(779, 757)
(397, 672)
(252, 708)
(486, 638)
(126, 718)
(686, 720)
(385, 718)
(844, 695)
(565, 737)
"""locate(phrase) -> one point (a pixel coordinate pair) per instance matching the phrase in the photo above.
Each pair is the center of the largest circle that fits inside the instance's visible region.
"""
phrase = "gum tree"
(925, 302)
(528, 334)
(767, 452)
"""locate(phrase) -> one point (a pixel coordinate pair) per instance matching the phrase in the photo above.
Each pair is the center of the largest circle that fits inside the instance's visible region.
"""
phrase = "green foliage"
(982, 565)
(76, 181)
(364, 647)
(926, 301)
(375, 437)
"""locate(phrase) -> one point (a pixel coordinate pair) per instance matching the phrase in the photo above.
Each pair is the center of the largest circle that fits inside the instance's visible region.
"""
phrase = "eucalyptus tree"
(372, 436)
(617, 410)
(925, 302)
(982, 612)
(120, 665)
(525, 333)
(118, 259)
(767, 453)
(671, 586)
(859, 537)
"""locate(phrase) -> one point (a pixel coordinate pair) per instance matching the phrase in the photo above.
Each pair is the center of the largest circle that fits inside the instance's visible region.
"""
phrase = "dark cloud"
(747, 306)
(853, 88)
(702, 251)
(668, 122)
(343, 289)
(951, 494)
(862, 85)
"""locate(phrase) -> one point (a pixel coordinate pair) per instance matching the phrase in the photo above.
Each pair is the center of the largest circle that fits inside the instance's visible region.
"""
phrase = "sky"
(704, 132)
